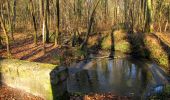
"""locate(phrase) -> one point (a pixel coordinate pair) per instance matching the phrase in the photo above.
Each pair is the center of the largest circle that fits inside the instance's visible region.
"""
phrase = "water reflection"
(120, 76)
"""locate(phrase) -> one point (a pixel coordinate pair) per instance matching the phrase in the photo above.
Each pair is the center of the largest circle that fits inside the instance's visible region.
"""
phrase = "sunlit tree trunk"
(14, 17)
(6, 36)
(9, 19)
(43, 22)
(89, 26)
(168, 19)
(34, 21)
(149, 17)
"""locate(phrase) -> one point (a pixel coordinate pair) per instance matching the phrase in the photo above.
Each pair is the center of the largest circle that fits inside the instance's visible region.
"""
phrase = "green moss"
(58, 58)
(163, 60)
(29, 76)
(52, 37)
(123, 46)
(119, 45)
(167, 89)
(156, 51)
(79, 52)
(106, 43)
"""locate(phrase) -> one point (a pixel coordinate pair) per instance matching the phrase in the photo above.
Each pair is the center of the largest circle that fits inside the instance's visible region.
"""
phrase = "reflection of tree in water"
(82, 80)
(138, 77)
(110, 68)
(119, 75)
(101, 70)
(158, 75)
(125, 74)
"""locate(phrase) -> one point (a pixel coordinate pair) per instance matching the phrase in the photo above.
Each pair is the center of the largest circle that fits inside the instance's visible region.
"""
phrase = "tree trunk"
(9, 19)
(132, 21)
(168, 19)
(0, 41)
(43, 34)
(13, 18)
(34, 21)
(89, 26)
(6, 36)
(43, 22)
(149, 20)
(166, 26)
(46, 22)
(126, 14)
(57, 22)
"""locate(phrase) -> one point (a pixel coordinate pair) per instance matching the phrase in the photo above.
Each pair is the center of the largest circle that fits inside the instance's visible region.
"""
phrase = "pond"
(125, 77)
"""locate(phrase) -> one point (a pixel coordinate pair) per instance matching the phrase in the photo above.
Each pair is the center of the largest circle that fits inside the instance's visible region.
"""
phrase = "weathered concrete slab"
(35, 78)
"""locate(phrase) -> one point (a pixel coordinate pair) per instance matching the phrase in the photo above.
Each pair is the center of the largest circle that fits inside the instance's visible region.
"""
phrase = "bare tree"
(90, 25)
(57, 22)
(32, 9)
(6, 35)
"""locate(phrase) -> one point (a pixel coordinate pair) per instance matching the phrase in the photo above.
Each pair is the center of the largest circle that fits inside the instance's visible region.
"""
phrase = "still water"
(128, 77)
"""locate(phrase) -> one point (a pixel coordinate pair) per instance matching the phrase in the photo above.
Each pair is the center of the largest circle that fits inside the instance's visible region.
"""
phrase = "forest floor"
(24, 49)
(103, 96)
(8, 93)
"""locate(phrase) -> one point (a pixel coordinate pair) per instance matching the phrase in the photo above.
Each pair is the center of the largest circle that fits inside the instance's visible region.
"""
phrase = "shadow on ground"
(96, 47)
(137, 46)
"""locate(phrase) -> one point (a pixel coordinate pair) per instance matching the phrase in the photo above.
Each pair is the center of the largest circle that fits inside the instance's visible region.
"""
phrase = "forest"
(65, 32)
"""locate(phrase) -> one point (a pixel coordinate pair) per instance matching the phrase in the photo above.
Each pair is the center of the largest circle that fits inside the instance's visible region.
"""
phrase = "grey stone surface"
(35, 78)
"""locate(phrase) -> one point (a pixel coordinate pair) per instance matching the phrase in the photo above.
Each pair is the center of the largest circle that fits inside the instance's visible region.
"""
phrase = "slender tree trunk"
(125, 14)
(40, 7)
(6, 36)
(106, 10)
(46, 22)
(166, 26)
(57, 22)
(149, 20)
(89, 26)
(0, 41)
(160, 27)
(43, 34)
(13, 18)
(34, 21)
(40, 13)
(9, 19)
(132, 21)
(168, 19)
(43, 22)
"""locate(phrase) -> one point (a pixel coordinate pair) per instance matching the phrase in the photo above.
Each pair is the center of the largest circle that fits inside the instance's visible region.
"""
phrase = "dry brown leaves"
(8, 93)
